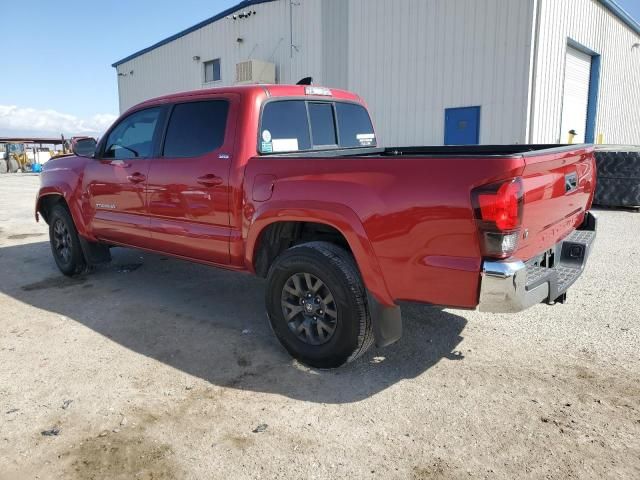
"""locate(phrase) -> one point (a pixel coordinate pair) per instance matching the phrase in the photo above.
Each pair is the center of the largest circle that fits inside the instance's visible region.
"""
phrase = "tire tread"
(342, 264)
(346, 263)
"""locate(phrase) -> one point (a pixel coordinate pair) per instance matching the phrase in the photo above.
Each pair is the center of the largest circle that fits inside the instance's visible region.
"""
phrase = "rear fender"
(337, 216)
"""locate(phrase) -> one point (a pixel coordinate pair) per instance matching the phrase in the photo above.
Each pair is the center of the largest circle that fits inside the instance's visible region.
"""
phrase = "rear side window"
(299, 125)
(196, 128)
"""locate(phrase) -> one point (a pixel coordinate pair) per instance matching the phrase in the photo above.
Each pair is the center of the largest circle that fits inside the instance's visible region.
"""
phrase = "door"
(188, 188)
(115, 182)
(576, 96)
(462, 126)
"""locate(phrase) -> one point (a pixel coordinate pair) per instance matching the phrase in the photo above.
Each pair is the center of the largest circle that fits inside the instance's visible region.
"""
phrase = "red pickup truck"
(288, 182)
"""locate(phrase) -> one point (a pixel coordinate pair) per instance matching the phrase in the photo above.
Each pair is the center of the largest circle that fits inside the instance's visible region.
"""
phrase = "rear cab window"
(289, 126)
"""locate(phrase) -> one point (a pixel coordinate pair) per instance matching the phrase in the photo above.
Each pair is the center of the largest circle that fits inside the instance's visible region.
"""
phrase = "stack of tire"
(618, 183)
(11, 165)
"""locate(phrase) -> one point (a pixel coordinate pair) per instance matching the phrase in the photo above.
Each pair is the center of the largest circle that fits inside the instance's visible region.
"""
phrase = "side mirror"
(84, 147)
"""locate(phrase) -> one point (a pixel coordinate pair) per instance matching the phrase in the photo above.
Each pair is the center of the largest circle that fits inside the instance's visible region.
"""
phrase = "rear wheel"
(65, 244)
(3, 165)
(317, 305)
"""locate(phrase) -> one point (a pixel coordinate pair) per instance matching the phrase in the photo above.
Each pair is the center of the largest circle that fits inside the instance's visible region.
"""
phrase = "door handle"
(209, 180)
(136, 177)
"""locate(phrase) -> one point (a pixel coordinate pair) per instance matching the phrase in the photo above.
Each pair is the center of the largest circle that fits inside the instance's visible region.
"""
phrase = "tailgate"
(558, 189)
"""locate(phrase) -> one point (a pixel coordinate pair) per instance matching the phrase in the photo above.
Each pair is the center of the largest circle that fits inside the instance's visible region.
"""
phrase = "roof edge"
(622, 14)
(215, 18)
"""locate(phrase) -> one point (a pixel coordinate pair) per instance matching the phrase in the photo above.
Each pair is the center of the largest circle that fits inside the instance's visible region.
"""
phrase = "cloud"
(20, 121)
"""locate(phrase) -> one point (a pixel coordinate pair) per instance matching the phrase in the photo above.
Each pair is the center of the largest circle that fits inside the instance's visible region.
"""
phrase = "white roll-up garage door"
(576, 95)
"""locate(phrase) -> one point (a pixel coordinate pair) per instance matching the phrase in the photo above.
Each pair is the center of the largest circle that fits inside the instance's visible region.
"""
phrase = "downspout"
(533, 70)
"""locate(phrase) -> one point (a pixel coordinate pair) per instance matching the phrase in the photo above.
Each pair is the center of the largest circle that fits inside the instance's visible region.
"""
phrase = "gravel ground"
(156, 368)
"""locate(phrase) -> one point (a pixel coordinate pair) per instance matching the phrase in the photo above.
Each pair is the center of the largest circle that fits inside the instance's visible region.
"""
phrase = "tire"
(618, 178)
(617, 192)
(618, 163)
(3, 166)
(343, 331)
(13, 165)
(65, 244)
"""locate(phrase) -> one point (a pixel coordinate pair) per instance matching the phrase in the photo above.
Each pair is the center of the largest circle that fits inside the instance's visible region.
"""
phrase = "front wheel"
(317, 305)
(65, 244)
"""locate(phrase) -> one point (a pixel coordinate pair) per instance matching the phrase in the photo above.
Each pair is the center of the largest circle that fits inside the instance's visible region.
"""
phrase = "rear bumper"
(511, 285)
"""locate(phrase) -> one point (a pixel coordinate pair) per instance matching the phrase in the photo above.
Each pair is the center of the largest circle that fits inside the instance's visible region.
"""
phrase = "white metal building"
(432, 71)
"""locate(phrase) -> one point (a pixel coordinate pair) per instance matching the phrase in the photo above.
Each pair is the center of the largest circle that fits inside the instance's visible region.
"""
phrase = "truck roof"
(270, 90)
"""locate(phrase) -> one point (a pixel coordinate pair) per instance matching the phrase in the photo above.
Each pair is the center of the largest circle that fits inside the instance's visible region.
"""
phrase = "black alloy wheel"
(309, 308)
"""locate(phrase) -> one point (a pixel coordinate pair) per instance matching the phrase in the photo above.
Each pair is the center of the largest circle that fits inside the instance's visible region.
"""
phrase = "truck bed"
(415, 206)
(433, 151)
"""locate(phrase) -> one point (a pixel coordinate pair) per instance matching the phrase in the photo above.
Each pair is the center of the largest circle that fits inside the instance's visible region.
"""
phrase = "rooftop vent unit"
(255, 71)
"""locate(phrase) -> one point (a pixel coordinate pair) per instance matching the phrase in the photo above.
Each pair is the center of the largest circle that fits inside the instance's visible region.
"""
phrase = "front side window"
(196, 128)
(212, 71)
(299, 125)
(133, 136)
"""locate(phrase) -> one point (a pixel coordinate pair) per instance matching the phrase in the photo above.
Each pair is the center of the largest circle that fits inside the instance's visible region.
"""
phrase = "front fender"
(340, 217)
(66, 193)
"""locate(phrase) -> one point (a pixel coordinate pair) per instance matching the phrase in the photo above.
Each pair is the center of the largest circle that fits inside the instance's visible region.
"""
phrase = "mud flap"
(386, 322)
(94, 253)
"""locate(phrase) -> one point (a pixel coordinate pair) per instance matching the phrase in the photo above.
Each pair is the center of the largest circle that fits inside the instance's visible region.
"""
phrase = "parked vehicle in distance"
(287, 182)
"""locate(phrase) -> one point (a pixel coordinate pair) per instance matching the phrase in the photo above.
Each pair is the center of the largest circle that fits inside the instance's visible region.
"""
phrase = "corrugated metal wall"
(411, 59)
(591, 25)
(170, 68)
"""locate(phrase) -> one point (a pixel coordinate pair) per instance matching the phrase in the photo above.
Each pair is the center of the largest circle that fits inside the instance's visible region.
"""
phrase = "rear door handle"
(209, 180)
(136, 177)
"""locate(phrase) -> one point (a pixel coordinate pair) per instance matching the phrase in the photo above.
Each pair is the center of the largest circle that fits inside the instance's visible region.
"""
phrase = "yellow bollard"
(572, 135)
(600, 139)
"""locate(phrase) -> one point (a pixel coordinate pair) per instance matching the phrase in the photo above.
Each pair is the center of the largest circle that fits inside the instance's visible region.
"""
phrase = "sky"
(55, 56)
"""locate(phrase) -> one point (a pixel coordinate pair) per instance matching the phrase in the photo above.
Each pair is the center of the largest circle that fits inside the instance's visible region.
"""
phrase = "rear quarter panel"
(414, 215)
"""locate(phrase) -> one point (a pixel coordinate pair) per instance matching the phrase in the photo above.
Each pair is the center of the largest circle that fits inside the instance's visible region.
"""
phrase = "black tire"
(3, 166)
(13, 165)
(336, 270)
(618, 179)
(65, 244)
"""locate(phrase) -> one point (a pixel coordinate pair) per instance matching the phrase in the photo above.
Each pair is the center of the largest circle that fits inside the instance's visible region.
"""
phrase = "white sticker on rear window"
(285, 144)
(366, 139)
(266, 136)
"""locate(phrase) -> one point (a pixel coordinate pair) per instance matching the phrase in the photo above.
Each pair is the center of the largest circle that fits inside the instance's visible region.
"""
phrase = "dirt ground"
(155, 368)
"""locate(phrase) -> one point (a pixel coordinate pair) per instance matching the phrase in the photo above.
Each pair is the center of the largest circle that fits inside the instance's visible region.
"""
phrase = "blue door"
(462, 126)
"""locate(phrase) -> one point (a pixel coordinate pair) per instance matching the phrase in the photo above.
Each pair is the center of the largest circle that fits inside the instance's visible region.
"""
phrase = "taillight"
(498, 213)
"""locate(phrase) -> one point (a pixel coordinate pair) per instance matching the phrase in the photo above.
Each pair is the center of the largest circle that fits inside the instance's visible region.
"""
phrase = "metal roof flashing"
(622, 14)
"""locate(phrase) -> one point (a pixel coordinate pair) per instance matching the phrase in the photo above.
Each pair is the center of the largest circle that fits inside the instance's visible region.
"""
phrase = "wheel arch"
(50, 196)
(337, 218)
